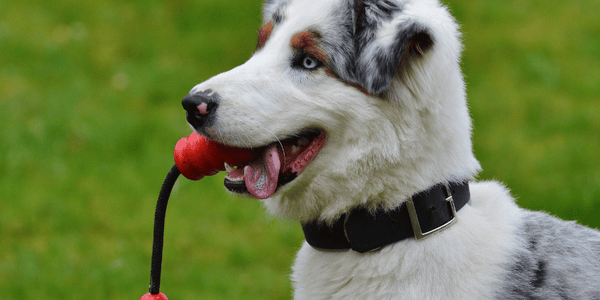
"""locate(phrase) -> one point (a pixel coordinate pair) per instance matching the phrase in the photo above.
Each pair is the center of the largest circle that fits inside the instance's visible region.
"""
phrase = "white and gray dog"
(358, 111)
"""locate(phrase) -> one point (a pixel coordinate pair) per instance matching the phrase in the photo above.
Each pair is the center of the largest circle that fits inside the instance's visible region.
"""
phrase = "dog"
(357, 109)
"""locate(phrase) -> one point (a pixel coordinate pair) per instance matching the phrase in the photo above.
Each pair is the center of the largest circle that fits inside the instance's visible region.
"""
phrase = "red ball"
(159, 296)
(236, 156)
(196, 156)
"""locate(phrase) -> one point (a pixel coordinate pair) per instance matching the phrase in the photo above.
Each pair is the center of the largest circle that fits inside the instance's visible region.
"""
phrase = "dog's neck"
(361, 230)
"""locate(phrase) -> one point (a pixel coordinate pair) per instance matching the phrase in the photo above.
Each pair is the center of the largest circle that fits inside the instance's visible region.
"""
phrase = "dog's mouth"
(278, 163)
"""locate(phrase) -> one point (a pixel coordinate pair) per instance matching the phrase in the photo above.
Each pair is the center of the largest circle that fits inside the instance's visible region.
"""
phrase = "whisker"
(278, 141)
(245, 136)
(266, 132)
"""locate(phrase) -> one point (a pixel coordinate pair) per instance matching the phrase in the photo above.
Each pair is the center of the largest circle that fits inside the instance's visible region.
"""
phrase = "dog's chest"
(386, 275)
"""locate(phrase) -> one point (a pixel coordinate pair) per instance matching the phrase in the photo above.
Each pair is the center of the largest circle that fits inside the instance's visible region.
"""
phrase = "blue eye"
(309, 63)
(306, 62)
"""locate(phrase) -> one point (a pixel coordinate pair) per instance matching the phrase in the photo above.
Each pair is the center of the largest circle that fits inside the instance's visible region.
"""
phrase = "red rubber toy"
(196, 156)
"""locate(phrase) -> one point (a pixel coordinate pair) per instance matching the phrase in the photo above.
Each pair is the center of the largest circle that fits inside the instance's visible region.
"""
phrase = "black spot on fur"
(339, 44)
(369, 15)
(377, 65)
(376, 11)
(532, 244)
(554, 259)
(274, 9)
(540, 274)
(277, 17)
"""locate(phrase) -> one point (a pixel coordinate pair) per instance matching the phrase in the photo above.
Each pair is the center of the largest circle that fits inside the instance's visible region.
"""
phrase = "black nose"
(201, 108)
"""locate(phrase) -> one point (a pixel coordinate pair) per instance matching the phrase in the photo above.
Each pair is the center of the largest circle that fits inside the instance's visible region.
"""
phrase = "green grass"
(90, 111)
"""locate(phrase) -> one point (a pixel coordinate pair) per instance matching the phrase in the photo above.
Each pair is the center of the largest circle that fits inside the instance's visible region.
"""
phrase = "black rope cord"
(159, 229)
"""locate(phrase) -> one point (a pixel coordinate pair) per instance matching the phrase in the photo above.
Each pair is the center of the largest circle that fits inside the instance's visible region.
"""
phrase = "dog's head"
(349, 102)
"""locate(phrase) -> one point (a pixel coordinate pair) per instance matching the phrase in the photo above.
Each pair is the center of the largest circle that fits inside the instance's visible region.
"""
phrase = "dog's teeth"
(295, 148)
(228, 167)
(240, 179)
(302, 142)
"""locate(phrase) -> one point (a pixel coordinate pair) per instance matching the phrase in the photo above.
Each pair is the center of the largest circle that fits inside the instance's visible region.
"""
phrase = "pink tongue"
(262, 174)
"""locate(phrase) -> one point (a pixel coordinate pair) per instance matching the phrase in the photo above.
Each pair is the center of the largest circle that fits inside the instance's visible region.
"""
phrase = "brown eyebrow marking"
(264, 34)
(308, 42)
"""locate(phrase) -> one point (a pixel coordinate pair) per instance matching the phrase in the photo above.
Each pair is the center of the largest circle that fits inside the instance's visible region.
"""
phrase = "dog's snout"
(200, 108)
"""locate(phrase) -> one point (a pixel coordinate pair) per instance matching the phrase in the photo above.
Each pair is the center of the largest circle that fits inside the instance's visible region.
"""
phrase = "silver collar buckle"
(414, 219)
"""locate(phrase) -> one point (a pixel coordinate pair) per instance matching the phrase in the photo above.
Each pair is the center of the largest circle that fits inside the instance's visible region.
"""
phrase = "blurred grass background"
(90, 111)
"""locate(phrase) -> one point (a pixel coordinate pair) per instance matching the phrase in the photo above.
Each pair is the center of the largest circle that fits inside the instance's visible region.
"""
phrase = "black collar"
(360, 230)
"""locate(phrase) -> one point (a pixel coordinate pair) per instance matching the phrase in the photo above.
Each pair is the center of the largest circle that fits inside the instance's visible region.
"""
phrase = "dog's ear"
(386, 41)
